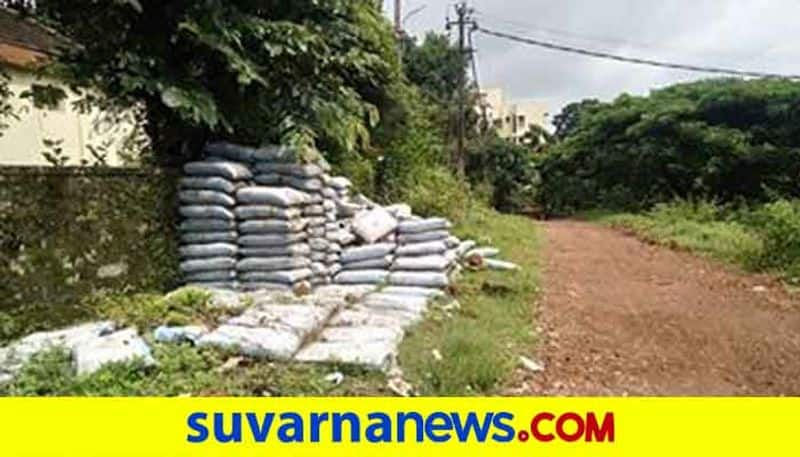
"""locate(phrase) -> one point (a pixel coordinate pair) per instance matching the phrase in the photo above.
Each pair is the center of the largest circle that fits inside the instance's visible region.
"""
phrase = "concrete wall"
(21, 144)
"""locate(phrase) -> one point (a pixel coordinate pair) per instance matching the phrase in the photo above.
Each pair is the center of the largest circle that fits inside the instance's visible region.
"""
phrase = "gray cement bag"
(381, 263)
(424, 237)
(421, 249)
(269, 179)
(206, 197)
(305, 184)
(278, 196)
(228, 170)
(436, 263)
(424, 225)
(281, 277)
(207, 225)
(272, 226)
(211, 276)
(209, 237)
(206, 212)
(300, 171)
(266, 212)
(271, 240)
(272, 264)
(208, 183)
(427, 279)
(210, 264)
(230, 152)
(275, 154)
(362, 277)
(292, 250)
(209, 250)
(371, 251)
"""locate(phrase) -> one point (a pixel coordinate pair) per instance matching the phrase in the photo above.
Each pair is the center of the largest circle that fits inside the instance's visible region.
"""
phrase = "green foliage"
(67, 234)
(436, 66)
(436, 192)
(299, 72)
(509, 170)
(779, 228)
(725, 140)
(6, 109)
(481, 342)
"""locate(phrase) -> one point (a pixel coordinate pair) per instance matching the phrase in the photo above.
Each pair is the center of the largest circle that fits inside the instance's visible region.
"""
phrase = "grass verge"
(480, 343)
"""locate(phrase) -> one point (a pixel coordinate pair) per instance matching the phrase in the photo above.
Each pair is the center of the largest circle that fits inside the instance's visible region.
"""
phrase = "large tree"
(253, 71)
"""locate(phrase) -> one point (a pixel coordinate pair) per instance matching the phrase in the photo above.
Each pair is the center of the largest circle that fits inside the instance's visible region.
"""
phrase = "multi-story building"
(512, 119)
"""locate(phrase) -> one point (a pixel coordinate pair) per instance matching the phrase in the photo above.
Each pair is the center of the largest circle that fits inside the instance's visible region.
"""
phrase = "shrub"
(779, 228)
(435, 191)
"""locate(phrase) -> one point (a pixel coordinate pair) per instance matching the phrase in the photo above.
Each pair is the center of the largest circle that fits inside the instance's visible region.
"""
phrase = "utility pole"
(464, 18)
(398, 17)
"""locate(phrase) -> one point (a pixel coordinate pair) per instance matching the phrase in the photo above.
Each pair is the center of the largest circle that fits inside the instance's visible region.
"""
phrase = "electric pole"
(464, 14)
(398, 17)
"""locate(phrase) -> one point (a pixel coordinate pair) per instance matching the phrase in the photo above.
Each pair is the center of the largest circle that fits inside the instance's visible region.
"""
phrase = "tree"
(436, 66)
(6, 109)
(306, 72)
(566, 122)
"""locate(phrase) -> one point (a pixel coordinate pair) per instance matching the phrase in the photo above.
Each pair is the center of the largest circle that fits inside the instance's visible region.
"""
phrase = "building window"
(521, 120)
(498, 123)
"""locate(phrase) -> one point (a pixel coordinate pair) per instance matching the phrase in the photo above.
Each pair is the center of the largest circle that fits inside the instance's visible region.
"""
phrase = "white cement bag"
(272, 263)
(423, 225)
(362, 277)
(208, 250)
(206, 212)
(281, 239)
(283, 277)
(374, 224)
(209, 264)
(423, 237)
(317, 256)
(266, 212)
(210, 276)
(206, 197)
(208, 183)
(118, 347)
(465, 247)
(314, 210)
(207, 225)
(319, 244)
(228, 170)
(279, 196)
(367, 252)
(292, 250)
(340, 183)
(426, 279)
(425, 263)
(309, 185)
(301, 171)
(272, 226)
(381, 263)
(421, 249)
(483, 252)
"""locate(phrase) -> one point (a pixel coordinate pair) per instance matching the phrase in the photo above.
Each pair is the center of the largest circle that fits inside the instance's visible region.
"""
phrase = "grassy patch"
(480, 343)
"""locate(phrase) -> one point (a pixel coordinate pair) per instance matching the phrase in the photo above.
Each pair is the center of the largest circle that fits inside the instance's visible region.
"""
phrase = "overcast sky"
(758, 35)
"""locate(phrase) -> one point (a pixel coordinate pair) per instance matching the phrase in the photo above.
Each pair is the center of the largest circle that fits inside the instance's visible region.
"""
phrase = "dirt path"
(621, 317)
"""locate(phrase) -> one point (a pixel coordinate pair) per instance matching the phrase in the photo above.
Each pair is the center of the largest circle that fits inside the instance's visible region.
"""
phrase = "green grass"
(480, 343)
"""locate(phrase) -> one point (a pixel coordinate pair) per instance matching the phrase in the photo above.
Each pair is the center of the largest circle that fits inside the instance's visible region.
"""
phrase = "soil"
(623, 317)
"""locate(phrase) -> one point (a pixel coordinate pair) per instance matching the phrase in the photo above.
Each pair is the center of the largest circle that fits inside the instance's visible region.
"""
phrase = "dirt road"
(621, 317)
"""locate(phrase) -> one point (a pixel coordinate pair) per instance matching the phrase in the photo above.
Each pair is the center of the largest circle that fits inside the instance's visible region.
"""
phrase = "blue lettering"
(195, 423)
(355, 427)
(260, 431)
(236, 428)
(380, 429)
(292, 423)
(505, 427)
(402, 418)
(470, 425)
(316, 423)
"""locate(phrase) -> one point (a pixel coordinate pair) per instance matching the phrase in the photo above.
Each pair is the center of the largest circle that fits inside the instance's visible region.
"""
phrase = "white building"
(512, 118)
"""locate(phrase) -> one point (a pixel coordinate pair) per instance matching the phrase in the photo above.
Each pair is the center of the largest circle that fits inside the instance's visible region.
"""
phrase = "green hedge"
(66, 233)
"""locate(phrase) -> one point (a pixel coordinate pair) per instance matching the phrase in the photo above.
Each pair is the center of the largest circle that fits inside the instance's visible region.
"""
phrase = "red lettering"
(542, 437)
(597, 432)
(563, 433)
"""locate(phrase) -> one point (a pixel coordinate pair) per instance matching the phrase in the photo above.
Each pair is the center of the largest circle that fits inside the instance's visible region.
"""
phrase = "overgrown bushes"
(724, 140)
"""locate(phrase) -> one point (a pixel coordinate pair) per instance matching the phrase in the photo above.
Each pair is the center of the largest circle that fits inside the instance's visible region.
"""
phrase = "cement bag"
(319, 244)
(292, 250)
(362, 277)
(209, 250)
(211, 276)
(381, 263)
(208, 183)
(270, 179)
(209, 237)
(280, 277)
(206, 212)
(305, 184)
(253, 286)
(465, 247)
(314, 210)
(371, 251)
(272, 226)
(228, 170)
(340, 183)
(210, 264)
(282, 239)
(319, 269)
(230, 151)
(317, 256)
(423, 237)
(426, 263)
(207, 225)
(426, 279)
(275, 154)
(279, 196)
(272, 263)
(206, 197)
(374, 224)
(483, 252)
(421, 249)
(266, 212)
(300, 171)
(316, 232)
(423, 225)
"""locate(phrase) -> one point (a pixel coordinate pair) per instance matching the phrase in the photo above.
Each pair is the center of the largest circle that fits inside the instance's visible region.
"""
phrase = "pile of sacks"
(209, 234)
(424, 256)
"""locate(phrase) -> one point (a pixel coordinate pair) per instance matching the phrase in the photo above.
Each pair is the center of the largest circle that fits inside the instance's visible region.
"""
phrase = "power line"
(635, 60)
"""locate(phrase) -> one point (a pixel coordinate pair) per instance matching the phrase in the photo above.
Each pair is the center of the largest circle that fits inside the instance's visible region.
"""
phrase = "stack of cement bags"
(368, 264)
(422, 257)
(208, 230)
(273, 238)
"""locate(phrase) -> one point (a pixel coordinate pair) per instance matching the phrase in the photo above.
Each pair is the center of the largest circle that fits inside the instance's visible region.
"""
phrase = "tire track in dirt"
(622, 317)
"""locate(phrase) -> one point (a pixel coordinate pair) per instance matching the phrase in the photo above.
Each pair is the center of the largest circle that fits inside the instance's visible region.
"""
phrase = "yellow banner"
(356, 427)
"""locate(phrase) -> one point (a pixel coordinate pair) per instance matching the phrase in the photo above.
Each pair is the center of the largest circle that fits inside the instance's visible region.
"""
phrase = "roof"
(23, 41)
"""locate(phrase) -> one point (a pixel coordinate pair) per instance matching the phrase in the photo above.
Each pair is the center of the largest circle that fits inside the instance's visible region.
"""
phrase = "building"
(512, 119)
(26, 46)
